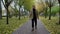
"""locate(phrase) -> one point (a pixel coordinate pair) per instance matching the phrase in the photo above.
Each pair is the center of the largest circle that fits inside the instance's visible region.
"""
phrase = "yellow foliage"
(40, 7)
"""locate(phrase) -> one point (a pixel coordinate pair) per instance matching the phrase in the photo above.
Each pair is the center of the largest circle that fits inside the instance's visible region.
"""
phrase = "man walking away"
(34, 16)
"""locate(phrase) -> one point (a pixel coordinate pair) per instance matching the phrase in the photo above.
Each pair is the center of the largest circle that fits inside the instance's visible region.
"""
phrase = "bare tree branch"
(3, 4)
(7, 4)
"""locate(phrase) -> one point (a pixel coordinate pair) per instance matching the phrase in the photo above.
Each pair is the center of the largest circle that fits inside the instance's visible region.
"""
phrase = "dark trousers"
(34, 20)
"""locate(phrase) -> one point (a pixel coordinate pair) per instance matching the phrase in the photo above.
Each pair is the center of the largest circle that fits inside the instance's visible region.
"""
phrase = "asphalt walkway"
(26, 29)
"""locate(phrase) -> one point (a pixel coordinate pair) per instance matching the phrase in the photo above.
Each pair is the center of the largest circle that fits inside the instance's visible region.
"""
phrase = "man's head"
(33, 6)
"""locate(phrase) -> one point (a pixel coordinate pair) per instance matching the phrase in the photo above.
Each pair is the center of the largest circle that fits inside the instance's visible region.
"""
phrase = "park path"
(26, 29)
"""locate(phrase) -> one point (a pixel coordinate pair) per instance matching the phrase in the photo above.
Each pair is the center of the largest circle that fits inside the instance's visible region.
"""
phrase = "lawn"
(52, 25)
(14, 23)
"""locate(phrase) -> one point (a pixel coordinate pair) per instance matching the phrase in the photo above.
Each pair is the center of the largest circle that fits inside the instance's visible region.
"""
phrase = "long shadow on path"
(26, 29)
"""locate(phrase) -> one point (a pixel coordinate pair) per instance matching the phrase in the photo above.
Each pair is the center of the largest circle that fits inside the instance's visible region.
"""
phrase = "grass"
(14, 24)
(51, 25)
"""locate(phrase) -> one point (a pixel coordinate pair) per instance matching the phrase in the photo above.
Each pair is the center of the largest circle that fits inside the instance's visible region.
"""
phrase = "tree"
(46, 7)
(0, 10)
(26, 3)
(6, 4)
(50, 4)
(59, 11)
(20, 3)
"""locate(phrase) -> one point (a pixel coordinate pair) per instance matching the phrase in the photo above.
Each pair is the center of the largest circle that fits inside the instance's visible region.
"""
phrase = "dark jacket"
(34, 14)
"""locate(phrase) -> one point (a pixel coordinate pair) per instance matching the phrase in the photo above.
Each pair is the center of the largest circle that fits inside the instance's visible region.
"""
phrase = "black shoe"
(32, 29)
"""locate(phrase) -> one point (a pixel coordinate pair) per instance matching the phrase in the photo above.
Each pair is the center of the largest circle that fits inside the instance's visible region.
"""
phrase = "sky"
(2, 6)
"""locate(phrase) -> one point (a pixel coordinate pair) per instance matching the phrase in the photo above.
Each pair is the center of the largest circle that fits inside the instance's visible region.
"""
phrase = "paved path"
(26, 29)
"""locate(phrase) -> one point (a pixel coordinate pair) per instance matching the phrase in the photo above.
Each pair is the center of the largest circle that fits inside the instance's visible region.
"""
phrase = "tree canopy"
(26, 3)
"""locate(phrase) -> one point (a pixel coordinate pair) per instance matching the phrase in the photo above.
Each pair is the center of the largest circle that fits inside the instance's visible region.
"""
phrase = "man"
(34, 16)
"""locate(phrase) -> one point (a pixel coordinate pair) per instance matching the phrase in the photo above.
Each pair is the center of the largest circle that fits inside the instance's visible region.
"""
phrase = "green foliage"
(54, 10)
(26, 3)
(21, 2)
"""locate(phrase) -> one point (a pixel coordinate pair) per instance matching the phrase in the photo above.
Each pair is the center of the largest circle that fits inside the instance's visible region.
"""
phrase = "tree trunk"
(19, 13)
(50, 14)
(46, 13)
(0, 10)
(7, 15)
